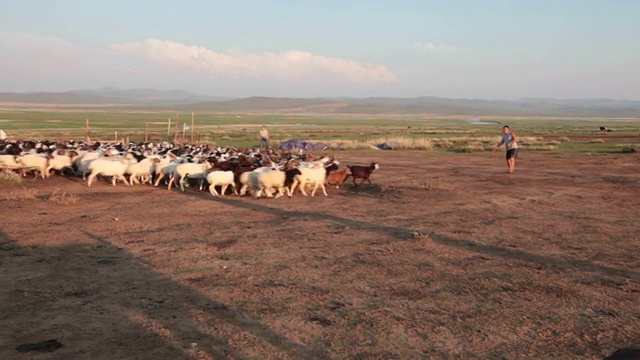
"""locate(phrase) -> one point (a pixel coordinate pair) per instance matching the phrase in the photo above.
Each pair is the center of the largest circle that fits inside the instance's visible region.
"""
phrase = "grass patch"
(58, 196)
(341, 131)
(63, 198)
(349, 145)
(471, 147)
(588, 147)
(428, 185)
(469, 144)
(396, 143)
(629, 148)
(541, 147)
(10, 177)
(25, 194)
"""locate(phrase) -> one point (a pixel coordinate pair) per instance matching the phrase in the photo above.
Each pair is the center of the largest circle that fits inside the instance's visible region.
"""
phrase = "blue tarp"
(387, 146)
(293, 144)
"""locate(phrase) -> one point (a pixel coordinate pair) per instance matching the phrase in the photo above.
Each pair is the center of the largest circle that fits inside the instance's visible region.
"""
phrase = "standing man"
(510, 142)
(264, 138)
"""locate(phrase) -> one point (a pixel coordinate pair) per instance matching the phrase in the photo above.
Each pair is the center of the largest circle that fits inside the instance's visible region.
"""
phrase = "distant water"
(482, 122)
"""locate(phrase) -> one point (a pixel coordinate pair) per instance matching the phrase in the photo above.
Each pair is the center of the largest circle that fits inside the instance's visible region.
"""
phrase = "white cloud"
(50, 63)
(45, 63)
(291, 65)
(429, 46)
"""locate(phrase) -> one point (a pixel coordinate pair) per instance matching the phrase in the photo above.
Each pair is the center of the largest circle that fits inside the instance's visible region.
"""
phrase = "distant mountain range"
(108, 95)
(187, 101)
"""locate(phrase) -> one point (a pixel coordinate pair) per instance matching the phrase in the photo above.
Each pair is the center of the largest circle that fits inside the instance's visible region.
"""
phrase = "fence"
(140, 127)
(151, 134)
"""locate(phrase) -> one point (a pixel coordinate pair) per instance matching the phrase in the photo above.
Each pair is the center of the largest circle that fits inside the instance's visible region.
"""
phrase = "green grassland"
(450, 133)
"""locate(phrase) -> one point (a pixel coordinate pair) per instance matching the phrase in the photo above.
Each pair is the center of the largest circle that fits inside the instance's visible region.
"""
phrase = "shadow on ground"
(147, 315)
(409, 234)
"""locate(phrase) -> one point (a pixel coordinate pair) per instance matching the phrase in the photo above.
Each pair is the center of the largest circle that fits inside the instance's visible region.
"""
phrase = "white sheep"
(269, 180)
(35, 162)
(9, 162)
(167, 170)
(222, 179)
(83, 161)
(191, 171)
(107, 166)
(161, 162)
(142, 170)
(61, 160)
(314, 177)
(249, 181)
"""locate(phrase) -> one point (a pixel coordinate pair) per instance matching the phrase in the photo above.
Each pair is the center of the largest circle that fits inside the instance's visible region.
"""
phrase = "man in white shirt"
(264, 137)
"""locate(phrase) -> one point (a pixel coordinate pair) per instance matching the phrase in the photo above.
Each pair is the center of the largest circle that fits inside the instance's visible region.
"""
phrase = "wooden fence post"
(146, 132)
(175, 135)
(86, 130)
(193, 125)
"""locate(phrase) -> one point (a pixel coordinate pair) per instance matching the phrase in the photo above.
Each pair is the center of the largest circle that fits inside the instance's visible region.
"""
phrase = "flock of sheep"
(268, 174)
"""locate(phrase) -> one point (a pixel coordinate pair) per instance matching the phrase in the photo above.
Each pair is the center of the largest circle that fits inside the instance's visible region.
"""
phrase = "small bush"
(62, 198)
(629, 148)
(10, 177)
(596, 141)
(564, 139)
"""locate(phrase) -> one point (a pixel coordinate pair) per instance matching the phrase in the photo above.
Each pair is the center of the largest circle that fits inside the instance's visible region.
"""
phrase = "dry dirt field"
(444, 257)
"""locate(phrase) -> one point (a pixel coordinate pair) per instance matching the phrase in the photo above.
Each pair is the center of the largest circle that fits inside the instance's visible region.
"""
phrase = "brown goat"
(362, 172)
(338, 177)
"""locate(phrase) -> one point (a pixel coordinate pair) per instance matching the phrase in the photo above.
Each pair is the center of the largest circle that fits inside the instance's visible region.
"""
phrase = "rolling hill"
(131, 97)
(187, 101)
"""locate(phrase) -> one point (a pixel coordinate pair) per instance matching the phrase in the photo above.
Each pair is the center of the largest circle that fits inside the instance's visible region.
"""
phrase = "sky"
(489, 49)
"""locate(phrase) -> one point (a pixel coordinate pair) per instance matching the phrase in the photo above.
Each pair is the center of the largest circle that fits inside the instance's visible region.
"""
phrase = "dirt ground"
(444, 257)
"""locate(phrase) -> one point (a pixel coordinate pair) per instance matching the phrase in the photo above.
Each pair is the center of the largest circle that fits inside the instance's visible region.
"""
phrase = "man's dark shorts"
(512, 154)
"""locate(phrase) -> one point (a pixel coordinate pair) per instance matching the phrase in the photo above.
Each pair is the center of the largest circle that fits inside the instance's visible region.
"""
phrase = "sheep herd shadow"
(405, 234)
(367, 190)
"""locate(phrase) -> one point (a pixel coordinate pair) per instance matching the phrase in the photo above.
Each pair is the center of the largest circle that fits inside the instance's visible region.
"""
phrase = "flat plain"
(444, 256)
